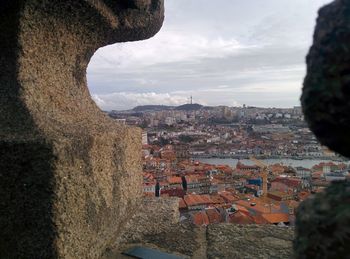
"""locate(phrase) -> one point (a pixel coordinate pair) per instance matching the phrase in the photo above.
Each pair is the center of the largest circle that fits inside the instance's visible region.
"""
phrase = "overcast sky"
(222, 52)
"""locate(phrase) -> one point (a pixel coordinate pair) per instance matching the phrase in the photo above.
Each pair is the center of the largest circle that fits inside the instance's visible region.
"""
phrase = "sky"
(222, 52)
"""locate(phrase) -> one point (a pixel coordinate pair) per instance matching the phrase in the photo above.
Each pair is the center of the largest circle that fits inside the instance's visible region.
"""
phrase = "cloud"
(165, 47)
(256, 65)
(124, 101)
(228, 53)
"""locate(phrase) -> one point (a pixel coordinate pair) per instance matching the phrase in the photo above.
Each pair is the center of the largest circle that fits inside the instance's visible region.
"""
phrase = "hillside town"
(219, 193)
(174, 141)
(234, 132)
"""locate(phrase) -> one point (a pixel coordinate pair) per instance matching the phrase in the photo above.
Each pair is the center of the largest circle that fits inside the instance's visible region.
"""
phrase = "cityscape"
(239, 165)
(174, 129)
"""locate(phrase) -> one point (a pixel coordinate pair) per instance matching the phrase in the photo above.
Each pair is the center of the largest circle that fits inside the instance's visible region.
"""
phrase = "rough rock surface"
(69, 176)
(154, 217)
(326, 91)
(322, 227)
(322, 223)
(249, 241)
(220, 241)
(156, 225)
(180, 239)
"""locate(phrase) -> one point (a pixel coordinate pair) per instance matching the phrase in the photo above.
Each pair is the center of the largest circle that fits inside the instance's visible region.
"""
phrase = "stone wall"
(249, 241)
(156, 225)
(153, 217)
(70, 177)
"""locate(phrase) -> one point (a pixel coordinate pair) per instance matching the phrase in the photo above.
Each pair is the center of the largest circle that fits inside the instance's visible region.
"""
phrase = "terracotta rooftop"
(242, 209)
(214, 215)
(259, 206)
(149, 183)
(200, 218)
(228, 197)
(217, 199)
(303, 195)
(182, 204)
(241, 218)
(278, 193)
(174, 180)
(259, 219)
(195, 199)
(275, 218)
(290, 182)
(292, 204)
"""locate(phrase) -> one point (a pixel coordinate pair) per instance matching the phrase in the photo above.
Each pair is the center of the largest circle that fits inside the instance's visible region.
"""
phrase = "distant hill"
(208, 107)
(143, 108)
(184, 107)
(189, 107)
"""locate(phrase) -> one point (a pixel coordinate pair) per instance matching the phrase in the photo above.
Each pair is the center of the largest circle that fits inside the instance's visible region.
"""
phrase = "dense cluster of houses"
(235, 132)
(218, 193)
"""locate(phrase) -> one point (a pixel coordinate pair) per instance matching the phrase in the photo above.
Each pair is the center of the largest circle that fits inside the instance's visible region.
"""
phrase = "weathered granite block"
(326, 91)
(69, 175)
(249, 241)
(322, 225)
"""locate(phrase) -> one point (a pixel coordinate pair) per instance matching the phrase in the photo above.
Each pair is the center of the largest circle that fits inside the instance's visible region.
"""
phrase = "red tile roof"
(214, 216)
(177, 192)
(174, 180)
(195, 199)
(241, 218)
(149, 184)
(200, 218)
(303, 195)
(182, 204)
(228, 197)
(274, 218)
(292, 204)
(259, 219)
(217, 199)
(259, 206)
(242, 209)
(290, 182)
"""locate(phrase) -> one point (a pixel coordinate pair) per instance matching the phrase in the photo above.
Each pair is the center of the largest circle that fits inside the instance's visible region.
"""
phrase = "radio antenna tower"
(191, 99)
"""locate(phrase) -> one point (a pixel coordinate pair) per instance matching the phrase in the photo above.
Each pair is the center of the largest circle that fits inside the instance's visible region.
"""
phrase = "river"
(308, 163)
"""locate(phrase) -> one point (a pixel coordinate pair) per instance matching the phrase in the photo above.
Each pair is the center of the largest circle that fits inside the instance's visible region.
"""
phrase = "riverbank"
(307, 163)
(264, 157)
